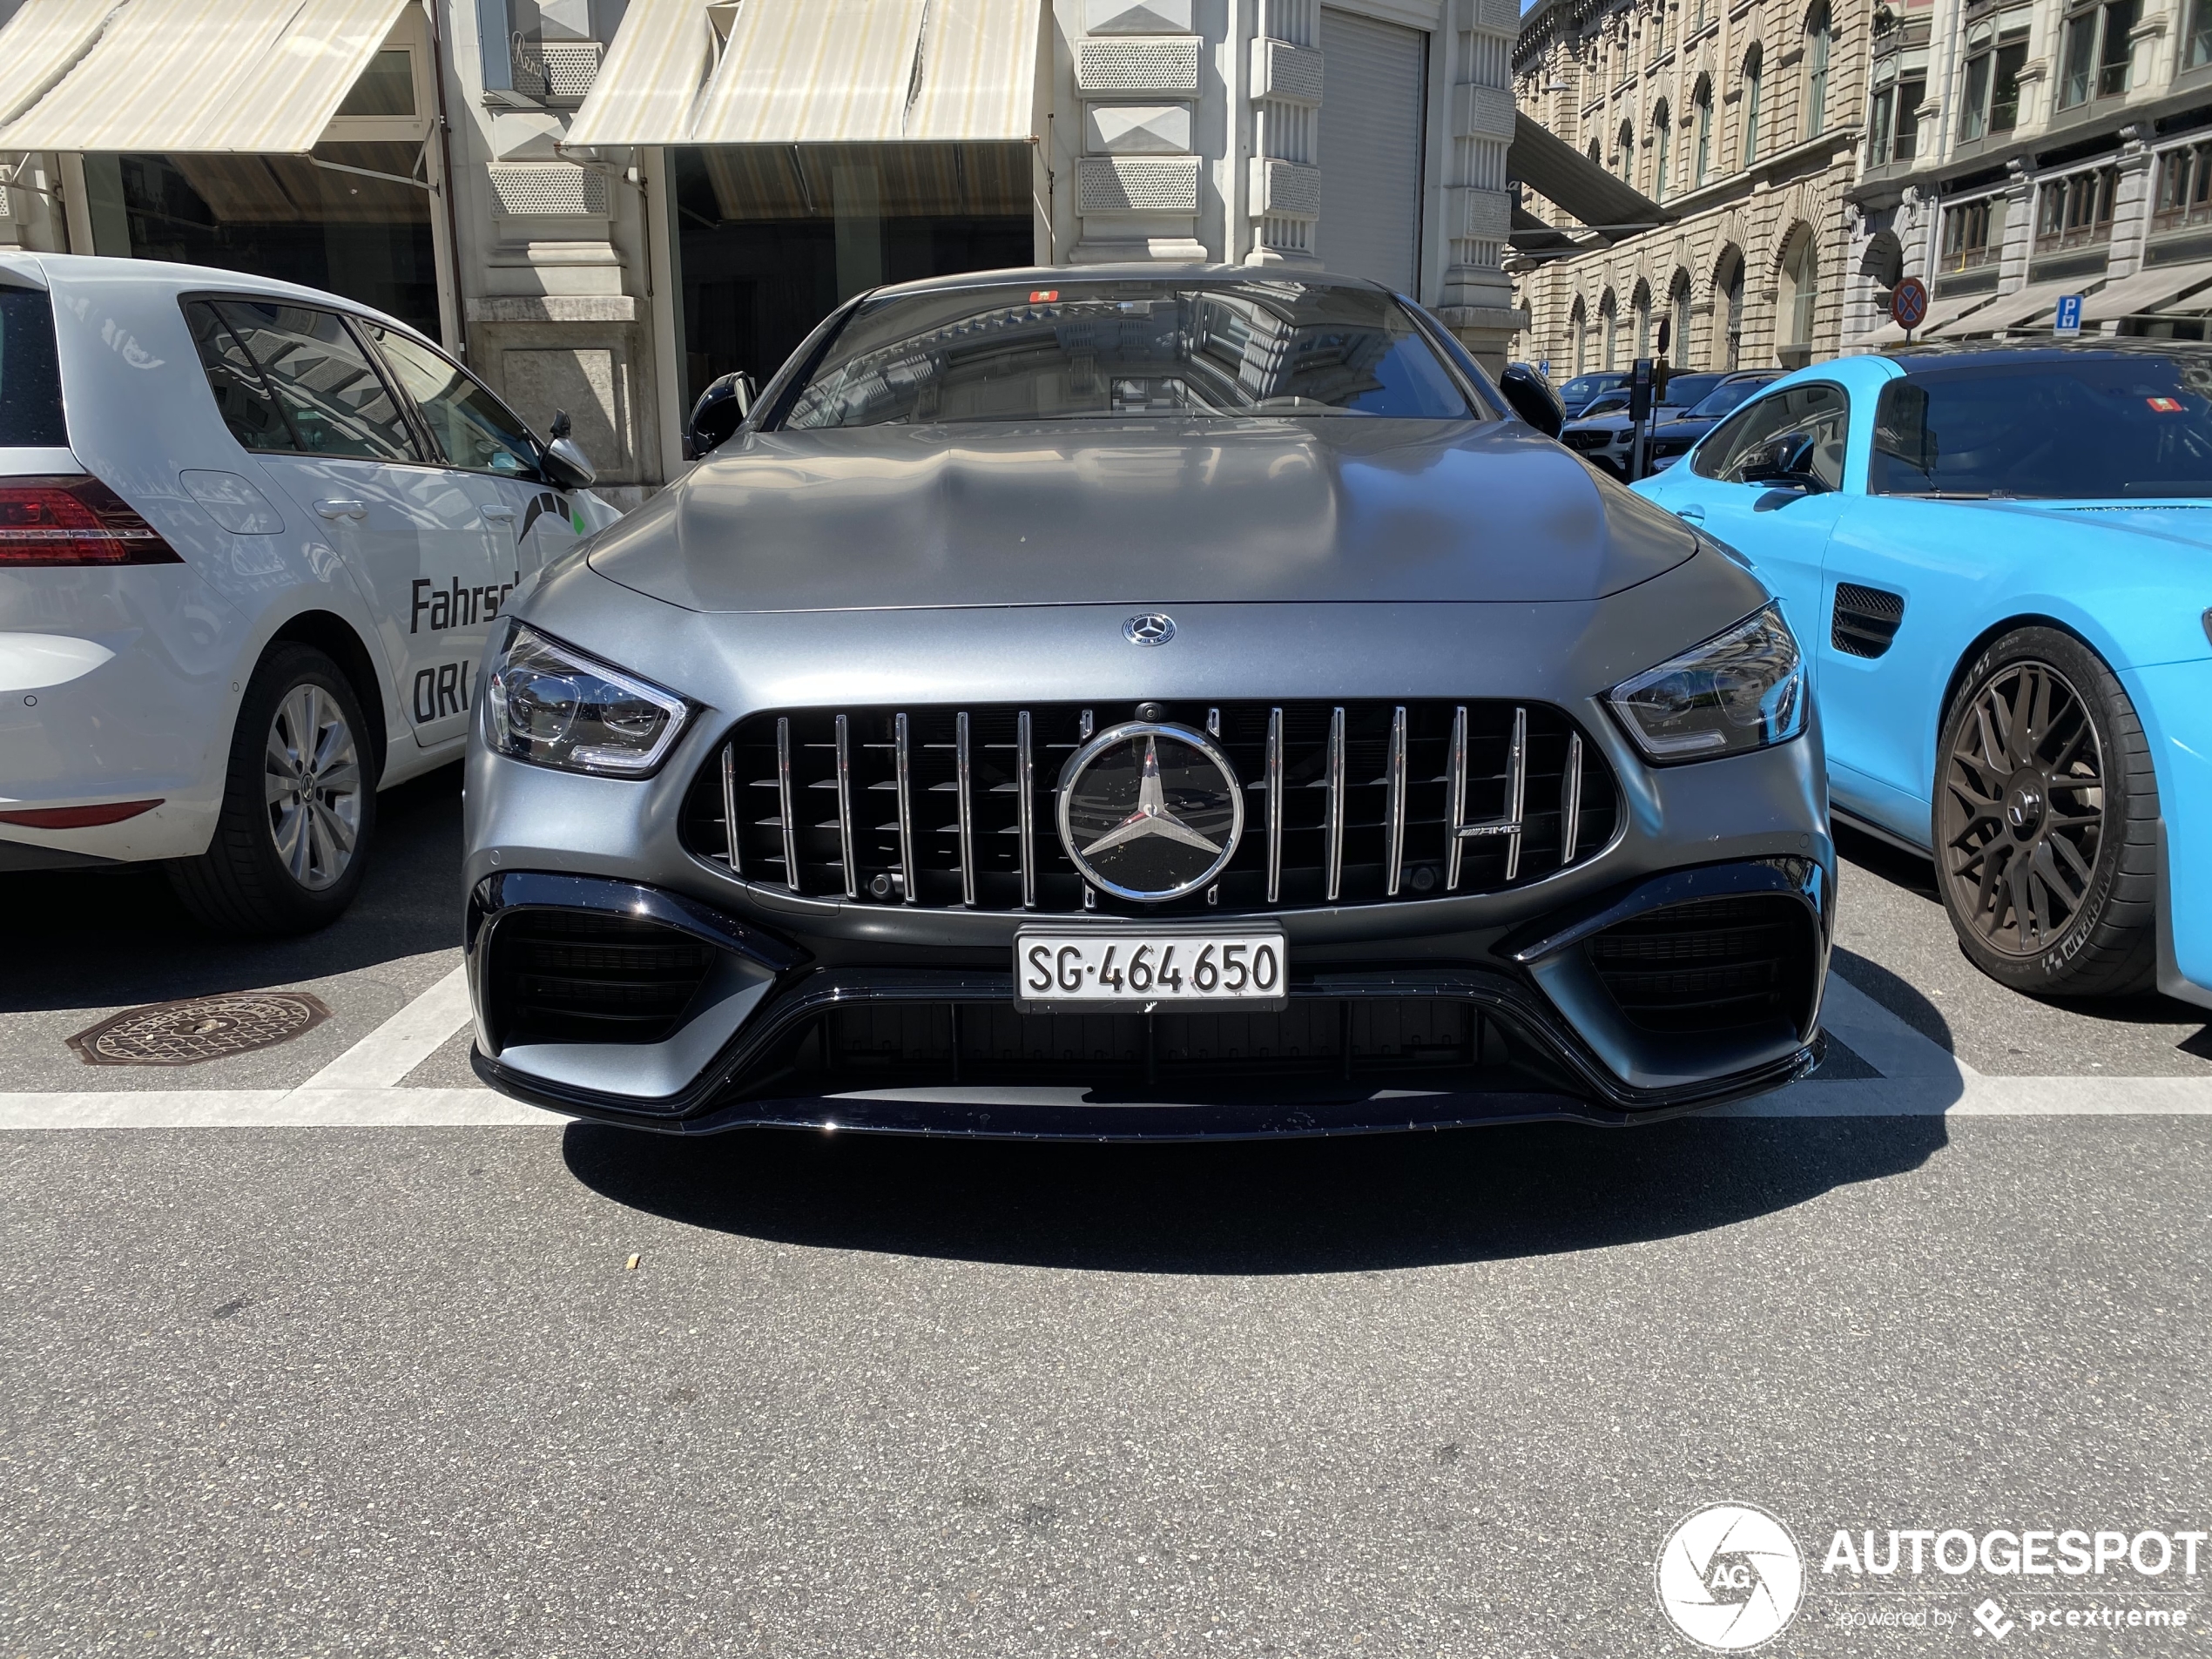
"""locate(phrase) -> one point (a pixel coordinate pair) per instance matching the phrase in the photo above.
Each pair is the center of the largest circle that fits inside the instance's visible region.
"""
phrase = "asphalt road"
(397, 1389)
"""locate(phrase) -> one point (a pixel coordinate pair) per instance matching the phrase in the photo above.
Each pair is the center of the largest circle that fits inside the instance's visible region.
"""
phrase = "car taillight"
(76, 520)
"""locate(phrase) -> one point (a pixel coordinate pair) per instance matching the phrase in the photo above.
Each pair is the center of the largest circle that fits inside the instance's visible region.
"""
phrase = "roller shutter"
(1371, 118)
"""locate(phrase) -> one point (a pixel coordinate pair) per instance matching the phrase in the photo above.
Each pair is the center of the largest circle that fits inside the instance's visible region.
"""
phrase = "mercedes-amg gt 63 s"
(1142, 702)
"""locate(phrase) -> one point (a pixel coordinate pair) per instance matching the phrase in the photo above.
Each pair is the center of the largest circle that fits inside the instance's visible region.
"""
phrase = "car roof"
(60, 272)
(1046, 276)
(1985, 354)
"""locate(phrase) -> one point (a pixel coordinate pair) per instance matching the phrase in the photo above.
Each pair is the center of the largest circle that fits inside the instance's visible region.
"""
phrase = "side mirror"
(1533, 398)
(565, 464)
(1782, 463)
(721, 410)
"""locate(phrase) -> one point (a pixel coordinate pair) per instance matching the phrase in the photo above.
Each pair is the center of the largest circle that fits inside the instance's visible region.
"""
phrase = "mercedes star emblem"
(1150, 811)
(1150, 629)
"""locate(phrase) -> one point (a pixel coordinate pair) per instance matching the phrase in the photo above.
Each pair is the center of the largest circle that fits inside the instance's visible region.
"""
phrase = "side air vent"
(575, 977)
(1717, 965)
(1866, 621)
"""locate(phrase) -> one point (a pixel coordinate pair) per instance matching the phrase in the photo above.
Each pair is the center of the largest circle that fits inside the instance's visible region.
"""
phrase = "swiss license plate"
(1136, 970)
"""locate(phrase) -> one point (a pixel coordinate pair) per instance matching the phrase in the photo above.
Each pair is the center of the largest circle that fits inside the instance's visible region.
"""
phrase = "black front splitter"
(1022, 1113)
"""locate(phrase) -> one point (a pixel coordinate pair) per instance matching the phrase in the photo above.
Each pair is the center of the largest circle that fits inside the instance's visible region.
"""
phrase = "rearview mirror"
(564, 461)
(1533, 398)
(1782, 463)
(721, 410)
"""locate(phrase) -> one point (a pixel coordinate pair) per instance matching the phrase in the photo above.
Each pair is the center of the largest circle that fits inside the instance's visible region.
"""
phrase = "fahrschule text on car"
(1143, 704)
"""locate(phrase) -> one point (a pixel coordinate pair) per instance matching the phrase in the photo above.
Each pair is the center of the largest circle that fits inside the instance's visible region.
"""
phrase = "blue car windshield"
(1132, 349)
(2090, 426)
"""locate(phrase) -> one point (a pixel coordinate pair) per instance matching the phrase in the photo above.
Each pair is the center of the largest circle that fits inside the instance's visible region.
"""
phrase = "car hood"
(1328, 510)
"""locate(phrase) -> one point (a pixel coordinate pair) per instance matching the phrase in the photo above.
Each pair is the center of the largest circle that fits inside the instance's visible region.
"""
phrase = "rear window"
(30, 373)
(2058, 428)
(1140, 348)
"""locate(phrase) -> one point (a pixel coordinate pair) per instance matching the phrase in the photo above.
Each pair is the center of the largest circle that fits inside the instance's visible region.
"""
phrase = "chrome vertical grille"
(1358, 803)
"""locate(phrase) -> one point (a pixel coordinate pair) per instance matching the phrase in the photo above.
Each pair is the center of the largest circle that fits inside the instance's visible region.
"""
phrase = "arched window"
(1663, 136)
(1752, 64)
(1728, 281)
(1819, 39)
(1678, 306)
(1597, 158)
(1578, 324)
(1642, 304)
(1609, 321)
(1704, 101)
(1628, 139)
(1800, 296)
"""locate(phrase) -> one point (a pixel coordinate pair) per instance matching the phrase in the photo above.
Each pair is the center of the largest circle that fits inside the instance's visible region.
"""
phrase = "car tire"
(2046, 830)
(299, 811)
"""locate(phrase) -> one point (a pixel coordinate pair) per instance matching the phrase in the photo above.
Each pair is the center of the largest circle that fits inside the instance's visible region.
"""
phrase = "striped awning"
(40, 43)
(190, 75)
(817, 71)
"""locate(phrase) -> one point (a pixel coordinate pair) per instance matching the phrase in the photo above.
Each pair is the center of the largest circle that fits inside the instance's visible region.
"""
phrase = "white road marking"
(268, 1109)
(402, 1043)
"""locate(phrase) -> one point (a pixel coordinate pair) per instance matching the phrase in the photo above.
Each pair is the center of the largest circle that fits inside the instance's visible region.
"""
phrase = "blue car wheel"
(2045, 821)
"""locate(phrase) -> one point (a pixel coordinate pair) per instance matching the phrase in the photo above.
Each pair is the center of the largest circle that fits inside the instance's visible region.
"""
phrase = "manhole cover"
(202, 1028)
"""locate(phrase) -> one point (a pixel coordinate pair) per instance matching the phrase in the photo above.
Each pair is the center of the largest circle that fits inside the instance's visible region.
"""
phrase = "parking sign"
(2068, 321)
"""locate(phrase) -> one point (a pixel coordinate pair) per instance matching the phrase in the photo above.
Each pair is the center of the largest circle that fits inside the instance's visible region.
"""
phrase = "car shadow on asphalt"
(1251, 1207)
(115, 937)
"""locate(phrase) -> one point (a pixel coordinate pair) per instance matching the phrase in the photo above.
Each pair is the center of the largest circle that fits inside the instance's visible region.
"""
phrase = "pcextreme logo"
(1730, 1577)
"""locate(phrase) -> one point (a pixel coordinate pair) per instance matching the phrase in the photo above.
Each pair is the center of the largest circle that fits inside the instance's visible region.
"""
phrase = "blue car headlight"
(552, 705)
(1741, 690)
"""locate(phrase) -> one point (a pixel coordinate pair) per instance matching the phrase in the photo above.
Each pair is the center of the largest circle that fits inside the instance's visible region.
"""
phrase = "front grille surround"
(948, 808)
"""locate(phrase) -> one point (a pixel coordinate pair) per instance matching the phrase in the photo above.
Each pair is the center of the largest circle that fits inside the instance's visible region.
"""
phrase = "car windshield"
(2087, 427)
(1583, 387)
(1138, 348)
(1685, 390)
(1725, 397)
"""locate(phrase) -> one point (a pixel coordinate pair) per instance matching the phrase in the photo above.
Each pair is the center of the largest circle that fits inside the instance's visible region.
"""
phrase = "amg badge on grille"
(1149, 812)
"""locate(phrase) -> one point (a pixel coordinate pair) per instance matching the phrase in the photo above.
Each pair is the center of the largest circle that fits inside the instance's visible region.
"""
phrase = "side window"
(242, 397)
(473, 428)
(332, 393)
(1818, 410)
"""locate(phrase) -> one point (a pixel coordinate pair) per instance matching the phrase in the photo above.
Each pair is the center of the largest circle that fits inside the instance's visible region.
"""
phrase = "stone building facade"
(602, 204)
(2023, 150)
(1739, 122)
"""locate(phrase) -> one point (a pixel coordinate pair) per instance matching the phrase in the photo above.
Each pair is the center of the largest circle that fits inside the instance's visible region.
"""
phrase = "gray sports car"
(1142, 702)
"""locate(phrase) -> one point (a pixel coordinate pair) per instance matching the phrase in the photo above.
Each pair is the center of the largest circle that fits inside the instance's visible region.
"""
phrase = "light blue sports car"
(1998, 562)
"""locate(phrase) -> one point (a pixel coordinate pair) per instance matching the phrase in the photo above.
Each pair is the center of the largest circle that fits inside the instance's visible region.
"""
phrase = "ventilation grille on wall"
(548, 190)
(1138, 64)
(1133, 185)
(1280, 70)
(557, 72)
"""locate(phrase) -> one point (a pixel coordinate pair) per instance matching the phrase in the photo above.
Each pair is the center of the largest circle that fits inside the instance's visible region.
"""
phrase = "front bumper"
(1415, 1033)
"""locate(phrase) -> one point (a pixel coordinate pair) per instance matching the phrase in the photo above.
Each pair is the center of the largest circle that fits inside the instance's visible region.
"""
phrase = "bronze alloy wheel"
(2044, 815)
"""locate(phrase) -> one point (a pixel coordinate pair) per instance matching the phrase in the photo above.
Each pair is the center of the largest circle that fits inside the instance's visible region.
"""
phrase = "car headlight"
(550, 705)
(1741, 690)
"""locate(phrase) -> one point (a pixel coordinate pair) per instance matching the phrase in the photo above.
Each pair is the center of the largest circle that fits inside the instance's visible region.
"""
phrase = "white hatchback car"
(252, 540)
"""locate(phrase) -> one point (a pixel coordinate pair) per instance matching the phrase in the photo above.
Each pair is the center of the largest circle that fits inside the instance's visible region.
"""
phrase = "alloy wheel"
(312, 778)
(2023, 812)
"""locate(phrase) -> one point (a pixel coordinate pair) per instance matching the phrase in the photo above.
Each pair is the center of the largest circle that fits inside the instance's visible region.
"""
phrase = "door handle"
(1694, 513)
(341, 508)
(505, 515)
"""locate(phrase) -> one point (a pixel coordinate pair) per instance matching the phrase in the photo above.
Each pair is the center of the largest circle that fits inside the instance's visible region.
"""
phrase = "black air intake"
(575, 977)
(1713, 966)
